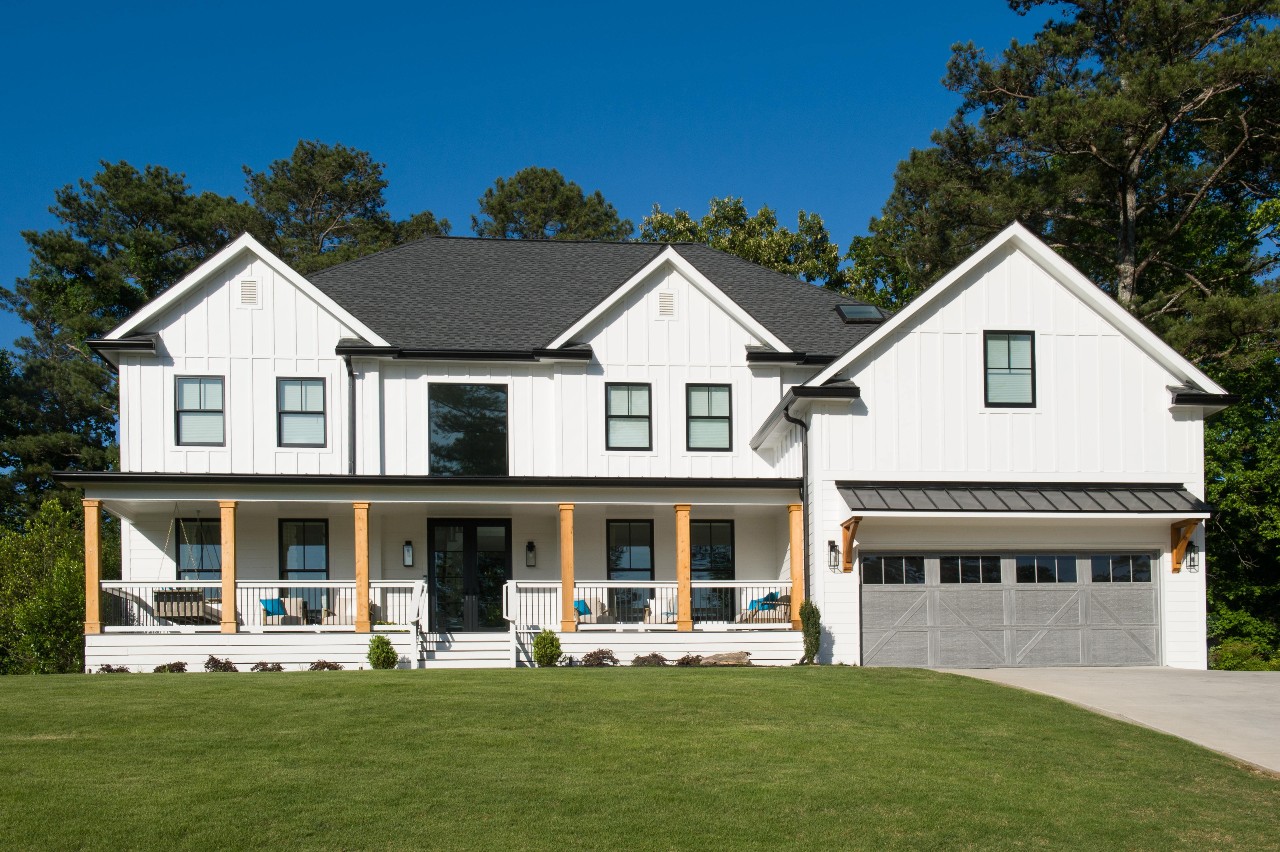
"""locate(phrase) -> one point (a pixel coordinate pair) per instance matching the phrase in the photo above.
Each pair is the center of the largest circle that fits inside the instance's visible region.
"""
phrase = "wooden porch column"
(684, 573)
(362, 566)
(568, 618)
(795, 529)
(227, 513)
(92, 565)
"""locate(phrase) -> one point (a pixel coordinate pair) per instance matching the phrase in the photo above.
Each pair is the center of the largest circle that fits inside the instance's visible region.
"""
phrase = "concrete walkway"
(1236, 713)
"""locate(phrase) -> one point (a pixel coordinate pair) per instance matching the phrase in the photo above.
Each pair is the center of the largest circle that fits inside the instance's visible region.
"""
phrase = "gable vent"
(666, 304)
(248, 294)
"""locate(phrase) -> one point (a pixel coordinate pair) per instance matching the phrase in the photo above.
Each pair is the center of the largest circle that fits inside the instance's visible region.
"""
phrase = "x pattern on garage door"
(1009, 623)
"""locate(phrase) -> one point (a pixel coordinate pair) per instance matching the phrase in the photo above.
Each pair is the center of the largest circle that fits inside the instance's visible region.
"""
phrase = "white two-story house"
(649, 448)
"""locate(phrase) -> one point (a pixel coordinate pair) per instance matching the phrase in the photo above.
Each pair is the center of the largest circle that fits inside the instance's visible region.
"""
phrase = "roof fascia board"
(201, 273)
(669, 255)
(1066, 274)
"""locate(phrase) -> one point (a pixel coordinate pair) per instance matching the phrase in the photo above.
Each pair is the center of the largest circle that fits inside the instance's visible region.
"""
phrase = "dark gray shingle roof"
(480, 294)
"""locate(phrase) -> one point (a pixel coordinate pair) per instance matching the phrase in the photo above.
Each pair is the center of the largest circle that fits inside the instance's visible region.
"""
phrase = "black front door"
(470, 563)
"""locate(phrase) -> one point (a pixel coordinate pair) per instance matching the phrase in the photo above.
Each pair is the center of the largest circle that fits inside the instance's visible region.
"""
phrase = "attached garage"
(984, 605)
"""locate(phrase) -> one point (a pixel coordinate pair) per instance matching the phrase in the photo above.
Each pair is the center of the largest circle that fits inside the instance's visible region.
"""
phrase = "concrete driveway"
(1236, 713)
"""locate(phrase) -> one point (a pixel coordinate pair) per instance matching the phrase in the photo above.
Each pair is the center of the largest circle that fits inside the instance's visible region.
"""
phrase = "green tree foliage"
(324, 205)
(1141, 139)
(807, 252)
(42, 594)
(540, 204)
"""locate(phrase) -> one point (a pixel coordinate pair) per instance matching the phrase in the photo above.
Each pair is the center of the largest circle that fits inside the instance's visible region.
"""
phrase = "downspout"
(804, 488)
(351, 416)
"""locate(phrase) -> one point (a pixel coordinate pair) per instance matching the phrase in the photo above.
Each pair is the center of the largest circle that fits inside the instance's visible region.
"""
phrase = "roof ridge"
(774, 272)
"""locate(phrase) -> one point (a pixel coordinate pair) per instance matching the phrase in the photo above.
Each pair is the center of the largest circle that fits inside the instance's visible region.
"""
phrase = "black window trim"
(689, 418)
(648, 418)
(653, 562)
(178, 411)
(281, 548)
(178, 548)
(733, 538)
(324, 412)
(507, 435)
(986, 370)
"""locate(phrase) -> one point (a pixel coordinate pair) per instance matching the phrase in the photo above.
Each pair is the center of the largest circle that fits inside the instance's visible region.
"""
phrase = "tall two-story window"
(627, 416)
(468, 429)
(1010, 358)
(199, 549)
(710, 424)
(199, 417)
(300, 420)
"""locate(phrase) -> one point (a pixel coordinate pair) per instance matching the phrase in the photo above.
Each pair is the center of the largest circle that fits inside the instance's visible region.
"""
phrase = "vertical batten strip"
(795, 527)
(684, 570)
(568, 618)
(227, 524)
(92, 565)
(362, 566)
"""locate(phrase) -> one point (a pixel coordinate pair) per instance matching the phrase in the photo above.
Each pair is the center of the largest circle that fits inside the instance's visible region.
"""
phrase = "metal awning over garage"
(1157, 499)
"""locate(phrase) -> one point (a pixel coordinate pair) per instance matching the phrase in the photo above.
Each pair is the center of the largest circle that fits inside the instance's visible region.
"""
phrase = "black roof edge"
(579, 354)
(848, 391)
(758, 357)
(137, 343)
(75, 477)
(584, 354)
(1204, 398)
(1070, 486)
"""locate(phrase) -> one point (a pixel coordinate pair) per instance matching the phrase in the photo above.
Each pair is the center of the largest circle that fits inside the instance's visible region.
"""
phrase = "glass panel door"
(470, 563)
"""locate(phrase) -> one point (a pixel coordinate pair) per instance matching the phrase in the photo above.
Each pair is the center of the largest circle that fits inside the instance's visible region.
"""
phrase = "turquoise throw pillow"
(581, 608)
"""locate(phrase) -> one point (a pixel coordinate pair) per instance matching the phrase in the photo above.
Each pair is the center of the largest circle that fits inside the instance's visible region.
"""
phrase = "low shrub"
(1243, 655)
(214, 664)
(267, 667)
(599, 657)
(107, 668)
(690, 660)
(811, 628)
(171, 668)
(654, 659)
(325, 666)
(382, 654)
(546, 649)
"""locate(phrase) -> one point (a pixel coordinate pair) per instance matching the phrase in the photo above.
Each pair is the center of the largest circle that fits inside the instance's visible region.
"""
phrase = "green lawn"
(814, 758)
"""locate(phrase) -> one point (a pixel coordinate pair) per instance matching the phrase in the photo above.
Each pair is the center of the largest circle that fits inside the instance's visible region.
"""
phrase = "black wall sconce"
(408, 554)
(530, 556)
(833, 554)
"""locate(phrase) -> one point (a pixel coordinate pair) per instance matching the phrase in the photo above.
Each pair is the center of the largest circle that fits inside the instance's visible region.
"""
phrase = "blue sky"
(794, 106)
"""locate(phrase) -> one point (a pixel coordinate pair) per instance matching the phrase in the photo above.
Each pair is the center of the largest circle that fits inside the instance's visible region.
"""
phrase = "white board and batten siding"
(1102, 414)
(279, 333)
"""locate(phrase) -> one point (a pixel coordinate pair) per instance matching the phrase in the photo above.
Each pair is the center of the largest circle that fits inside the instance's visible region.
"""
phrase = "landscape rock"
(732, 658)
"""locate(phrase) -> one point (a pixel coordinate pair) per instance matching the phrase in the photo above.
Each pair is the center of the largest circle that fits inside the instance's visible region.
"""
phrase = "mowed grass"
(812, 758)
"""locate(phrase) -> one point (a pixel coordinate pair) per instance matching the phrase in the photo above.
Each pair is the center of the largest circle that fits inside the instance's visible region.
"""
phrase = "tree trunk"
(1127, 244)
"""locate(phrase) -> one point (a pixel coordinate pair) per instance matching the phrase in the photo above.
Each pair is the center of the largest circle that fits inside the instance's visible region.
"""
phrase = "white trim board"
(1063, 272)
(204, 271)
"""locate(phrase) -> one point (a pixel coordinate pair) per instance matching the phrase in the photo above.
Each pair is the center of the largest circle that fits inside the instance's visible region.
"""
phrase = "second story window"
(627, 417)
(710, 424)
(1010, 369)
(199, 411)
(468, 429)
(300, 412)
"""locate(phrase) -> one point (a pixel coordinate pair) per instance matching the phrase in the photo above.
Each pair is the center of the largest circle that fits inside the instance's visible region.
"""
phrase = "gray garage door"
(1009, 609)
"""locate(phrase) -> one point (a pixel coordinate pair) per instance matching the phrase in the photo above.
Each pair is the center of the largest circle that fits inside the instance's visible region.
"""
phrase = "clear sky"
(791, 105)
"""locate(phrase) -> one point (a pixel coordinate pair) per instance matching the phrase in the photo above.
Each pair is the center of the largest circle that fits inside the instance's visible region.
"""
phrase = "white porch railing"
(261, 605)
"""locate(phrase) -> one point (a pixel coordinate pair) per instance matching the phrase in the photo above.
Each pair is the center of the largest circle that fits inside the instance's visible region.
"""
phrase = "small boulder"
(733, 658)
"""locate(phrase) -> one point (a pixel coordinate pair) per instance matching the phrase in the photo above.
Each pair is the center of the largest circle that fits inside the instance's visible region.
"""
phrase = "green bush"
(267, 667)
(214, 664)
(42, 594)
(107, 668)
(654, 659)
(599, 657)
(1245, 655)
(546, 649)
(324, 666)
(811, 627)
(382, 654)
(171, 668)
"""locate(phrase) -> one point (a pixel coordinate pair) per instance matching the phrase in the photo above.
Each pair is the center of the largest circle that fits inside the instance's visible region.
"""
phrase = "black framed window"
(468, 429)
(1121, 568)
(711, 550)
(300, 412)
(1010, 364)
(1045, 568)
(199, 549)
(969, 569)
(199, 415)
(710, 423)
(628, 420)
(630, 550)
(892, 570)
(304, 549)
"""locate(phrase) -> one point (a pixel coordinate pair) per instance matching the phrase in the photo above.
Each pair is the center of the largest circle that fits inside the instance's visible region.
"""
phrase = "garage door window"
(1046, 568)
(893, 570)
(1122, 568)
(969, 569)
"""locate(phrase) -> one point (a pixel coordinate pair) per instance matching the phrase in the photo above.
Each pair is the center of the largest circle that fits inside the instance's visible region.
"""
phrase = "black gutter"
(584, 354)
(72, 477)
(1203, 398)
(351, 415)
(757, 357)
(826, 392)
(804, 488)
(145, 344)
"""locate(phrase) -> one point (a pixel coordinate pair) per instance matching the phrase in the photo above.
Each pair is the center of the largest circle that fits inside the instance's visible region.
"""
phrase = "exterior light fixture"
(1192, 558)
(408, 554)
(530, 556)
(833, 554)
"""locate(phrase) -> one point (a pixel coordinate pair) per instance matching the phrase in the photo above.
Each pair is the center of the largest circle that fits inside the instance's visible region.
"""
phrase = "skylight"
(859, 313)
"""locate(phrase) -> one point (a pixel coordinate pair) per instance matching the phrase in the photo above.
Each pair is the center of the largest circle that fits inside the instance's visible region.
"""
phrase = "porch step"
(465, 650)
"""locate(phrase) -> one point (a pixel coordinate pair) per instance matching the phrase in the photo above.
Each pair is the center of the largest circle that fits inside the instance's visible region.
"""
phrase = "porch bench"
(186, 606)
